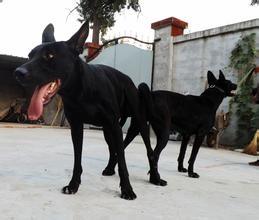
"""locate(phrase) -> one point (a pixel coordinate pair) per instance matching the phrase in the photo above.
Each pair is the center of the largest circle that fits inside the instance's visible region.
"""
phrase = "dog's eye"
(48, 56)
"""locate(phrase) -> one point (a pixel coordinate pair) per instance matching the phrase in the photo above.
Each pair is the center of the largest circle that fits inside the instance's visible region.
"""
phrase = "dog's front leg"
(181, 156)
(195, 149)
(77, 139)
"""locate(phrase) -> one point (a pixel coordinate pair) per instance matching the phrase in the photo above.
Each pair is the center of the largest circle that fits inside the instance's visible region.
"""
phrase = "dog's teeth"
(52, 85)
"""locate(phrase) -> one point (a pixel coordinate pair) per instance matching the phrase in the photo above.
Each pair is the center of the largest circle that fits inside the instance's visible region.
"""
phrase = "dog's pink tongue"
(36, 105)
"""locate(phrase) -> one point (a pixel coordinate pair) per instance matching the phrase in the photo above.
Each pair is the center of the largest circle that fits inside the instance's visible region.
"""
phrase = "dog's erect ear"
(77, 41)
(211, 78)
(48, 34)
(221, 76)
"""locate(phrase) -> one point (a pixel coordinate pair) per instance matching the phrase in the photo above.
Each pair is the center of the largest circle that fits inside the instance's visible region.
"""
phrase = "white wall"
(181, 63)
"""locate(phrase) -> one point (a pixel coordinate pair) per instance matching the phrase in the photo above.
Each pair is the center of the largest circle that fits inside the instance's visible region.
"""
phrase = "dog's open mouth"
(233, 90)
(42, 96)
(233, 93)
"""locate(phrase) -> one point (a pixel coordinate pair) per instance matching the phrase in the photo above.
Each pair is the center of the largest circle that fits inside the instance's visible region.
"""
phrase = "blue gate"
(131, 60)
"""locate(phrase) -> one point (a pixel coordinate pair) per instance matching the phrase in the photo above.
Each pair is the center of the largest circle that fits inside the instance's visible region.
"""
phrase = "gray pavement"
(35, 163)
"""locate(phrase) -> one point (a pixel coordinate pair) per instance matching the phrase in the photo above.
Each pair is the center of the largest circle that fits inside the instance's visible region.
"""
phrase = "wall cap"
(172, 21)
(231, 28)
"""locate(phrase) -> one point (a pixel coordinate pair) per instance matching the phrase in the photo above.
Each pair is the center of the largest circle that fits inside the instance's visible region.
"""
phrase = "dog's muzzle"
(21, 74)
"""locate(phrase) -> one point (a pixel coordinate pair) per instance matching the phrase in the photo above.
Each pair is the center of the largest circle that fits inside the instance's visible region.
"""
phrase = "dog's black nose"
(21, 73)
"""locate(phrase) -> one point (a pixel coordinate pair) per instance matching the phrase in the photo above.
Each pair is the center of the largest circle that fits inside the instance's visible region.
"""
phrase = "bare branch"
(71, 11)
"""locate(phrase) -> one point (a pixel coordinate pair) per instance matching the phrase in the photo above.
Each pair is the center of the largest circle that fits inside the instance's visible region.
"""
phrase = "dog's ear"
(221, 76)
(211, 78)
(48, 34)
(77, 41)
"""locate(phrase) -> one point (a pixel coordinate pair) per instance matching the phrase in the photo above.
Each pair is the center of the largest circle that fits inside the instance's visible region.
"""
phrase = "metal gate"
(131, 60)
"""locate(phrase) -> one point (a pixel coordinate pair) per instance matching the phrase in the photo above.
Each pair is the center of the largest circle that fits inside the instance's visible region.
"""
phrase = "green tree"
(253, 2)
(100, 13)
(242, 59)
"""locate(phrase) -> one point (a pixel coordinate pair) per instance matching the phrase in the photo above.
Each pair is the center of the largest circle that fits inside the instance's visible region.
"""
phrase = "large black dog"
(187, 114)
(93, 94)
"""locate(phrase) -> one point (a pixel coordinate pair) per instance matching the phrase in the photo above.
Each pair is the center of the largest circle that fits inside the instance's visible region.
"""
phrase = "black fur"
(187, 114)
(93, 94)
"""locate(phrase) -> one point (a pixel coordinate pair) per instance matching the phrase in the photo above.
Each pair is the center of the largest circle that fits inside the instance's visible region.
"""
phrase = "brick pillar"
(165, 30)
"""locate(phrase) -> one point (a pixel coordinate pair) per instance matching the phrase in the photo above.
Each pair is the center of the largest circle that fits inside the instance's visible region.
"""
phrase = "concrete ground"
(36, 162)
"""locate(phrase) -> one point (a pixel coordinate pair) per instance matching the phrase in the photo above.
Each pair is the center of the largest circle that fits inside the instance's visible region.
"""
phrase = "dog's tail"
(146, 102)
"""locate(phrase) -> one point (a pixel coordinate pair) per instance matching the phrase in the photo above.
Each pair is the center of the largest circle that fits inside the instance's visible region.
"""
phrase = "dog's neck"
(71, 84)
(214, 95)
(218, 88)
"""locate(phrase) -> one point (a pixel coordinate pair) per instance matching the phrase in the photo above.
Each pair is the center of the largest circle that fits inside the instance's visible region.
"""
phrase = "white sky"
(22, 21)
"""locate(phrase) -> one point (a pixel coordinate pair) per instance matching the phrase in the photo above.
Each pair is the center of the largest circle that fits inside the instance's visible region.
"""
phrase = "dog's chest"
(192, 120)
(89, 110)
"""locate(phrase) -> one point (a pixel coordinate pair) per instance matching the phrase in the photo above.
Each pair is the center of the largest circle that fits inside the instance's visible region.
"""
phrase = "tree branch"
(71, 11)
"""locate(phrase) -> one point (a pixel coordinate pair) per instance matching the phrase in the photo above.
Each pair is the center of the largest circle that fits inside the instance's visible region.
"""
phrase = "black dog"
(93, 94)
(187, 114)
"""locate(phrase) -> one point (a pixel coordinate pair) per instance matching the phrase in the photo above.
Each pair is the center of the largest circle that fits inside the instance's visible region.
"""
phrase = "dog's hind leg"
(123, 121)
(196, 146)
(154, 174)
(141, 123)
(77, 139)
(183, 147)
(110, 168)
(131, 133)
(162, 135)
(162, 140)
(117, 137)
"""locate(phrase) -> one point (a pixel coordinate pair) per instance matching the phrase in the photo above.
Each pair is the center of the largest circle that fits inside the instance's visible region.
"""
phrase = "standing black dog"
(93, 94)
(187, 114)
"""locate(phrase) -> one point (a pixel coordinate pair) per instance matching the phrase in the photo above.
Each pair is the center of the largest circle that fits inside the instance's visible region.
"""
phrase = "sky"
(22, 21)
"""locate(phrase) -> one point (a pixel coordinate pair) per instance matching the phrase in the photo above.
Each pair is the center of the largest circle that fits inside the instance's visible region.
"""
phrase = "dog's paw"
(108, 172)
(182, 170)
(162, 182)
(128, 194)
(193, 175)
(157, 181)
(255, 163)
(71, 188)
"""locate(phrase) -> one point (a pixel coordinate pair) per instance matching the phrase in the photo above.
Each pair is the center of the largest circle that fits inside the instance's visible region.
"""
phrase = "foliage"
(255, 119)
(101, 12)
(243, 55)
(242, 59)
(253, 2)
